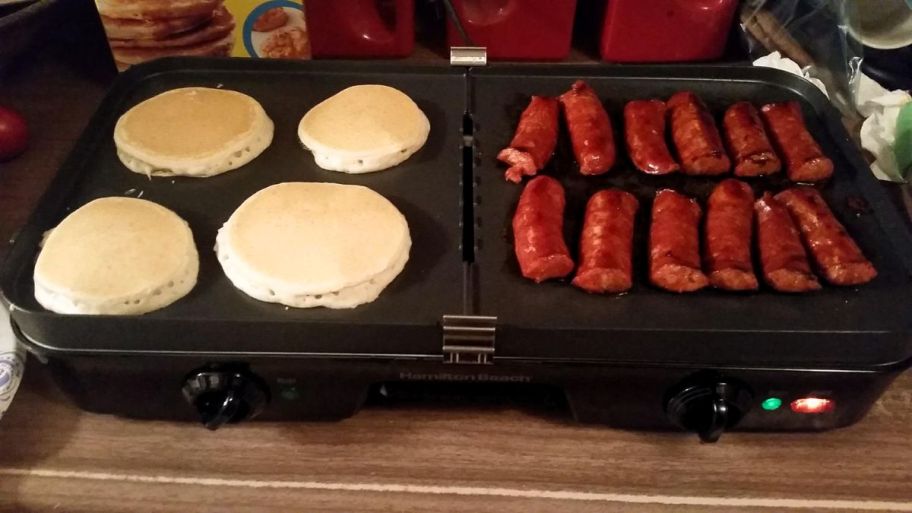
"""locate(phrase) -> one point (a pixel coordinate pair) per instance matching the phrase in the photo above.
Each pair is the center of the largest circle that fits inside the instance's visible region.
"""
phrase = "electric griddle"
(460, 311)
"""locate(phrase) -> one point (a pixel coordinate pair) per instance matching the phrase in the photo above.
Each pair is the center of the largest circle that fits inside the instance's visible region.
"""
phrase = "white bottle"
(12, 362)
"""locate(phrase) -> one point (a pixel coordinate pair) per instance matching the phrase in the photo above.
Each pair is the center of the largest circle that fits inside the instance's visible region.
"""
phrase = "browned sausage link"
(696, 137)
(538, 235)
(535, 139)
(606, 243)
(782, 255)
(836, 254)
(729, 226)
(674, 243)
(644, 131)
(750, 147)
(804, 160)
(590, 129)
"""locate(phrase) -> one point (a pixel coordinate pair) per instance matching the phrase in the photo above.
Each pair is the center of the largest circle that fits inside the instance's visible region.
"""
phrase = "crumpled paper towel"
(881, 110)
(776, 60)
(879, 107)
(12, 362)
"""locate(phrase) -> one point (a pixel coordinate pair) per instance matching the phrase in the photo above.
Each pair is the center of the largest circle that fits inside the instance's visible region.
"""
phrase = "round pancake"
(314, 244)
(116, 256)
(126, 29)
(155, 9)
(215, 48)
(348, 297)
(221, 25)
(364, 128)
(192, 131)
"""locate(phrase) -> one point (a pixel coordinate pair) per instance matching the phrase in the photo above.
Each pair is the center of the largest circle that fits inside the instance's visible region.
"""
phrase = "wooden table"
(411, 457)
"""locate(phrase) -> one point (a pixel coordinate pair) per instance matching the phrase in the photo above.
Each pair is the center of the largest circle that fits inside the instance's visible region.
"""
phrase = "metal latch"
(468, 56)
(468, 339)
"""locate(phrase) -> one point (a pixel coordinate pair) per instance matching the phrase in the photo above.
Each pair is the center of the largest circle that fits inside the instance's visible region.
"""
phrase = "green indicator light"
(290, 394)
(771, 403)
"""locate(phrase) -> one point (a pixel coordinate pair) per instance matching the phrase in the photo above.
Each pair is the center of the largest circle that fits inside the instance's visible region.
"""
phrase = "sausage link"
(538, 235)
(606, 243)
(837, 256)
(784, 260)
(674, 243)
(644, 130)
(729, 226)
(534, 141)
(696, 137)
(590, 129)
(747, 140)
(804, 160)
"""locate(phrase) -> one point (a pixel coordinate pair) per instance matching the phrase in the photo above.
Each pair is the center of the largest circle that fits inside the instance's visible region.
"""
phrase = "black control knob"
(223, 396)
(708, 408)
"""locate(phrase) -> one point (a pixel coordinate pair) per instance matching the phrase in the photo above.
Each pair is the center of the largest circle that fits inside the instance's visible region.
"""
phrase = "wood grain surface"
(445, 457)
(410, 457)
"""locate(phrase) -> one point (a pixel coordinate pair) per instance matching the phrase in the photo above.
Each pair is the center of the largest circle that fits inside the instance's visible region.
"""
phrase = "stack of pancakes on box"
(142, 30)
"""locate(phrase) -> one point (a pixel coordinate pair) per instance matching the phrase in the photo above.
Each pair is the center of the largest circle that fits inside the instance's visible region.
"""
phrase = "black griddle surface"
(552, 322)
(215, 315)
(556, 320)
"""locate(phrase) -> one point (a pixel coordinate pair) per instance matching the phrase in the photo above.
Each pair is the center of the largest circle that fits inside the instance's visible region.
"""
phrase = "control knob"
(708, 408)
(225, 396)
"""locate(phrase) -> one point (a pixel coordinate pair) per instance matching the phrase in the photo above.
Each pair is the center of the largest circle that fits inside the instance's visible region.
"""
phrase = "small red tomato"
(13, 133)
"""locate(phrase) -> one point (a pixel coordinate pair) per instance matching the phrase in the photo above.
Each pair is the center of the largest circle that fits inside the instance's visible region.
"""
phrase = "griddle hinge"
(469, 339)
(471, 56)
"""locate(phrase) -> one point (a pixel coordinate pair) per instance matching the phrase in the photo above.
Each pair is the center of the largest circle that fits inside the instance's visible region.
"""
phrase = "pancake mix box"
(143, 30)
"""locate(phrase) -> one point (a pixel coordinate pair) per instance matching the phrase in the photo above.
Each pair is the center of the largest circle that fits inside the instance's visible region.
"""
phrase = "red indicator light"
(812, 405)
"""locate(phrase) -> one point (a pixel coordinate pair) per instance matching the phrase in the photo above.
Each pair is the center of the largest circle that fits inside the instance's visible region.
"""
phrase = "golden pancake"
(155, 9)
(192, 131)
(220, 26)
(216, 48)
(116, 256)
(364, 128)
(117, 29)
(308, 244)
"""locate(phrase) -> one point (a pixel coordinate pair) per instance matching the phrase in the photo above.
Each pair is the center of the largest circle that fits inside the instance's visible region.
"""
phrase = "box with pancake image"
(143, 30)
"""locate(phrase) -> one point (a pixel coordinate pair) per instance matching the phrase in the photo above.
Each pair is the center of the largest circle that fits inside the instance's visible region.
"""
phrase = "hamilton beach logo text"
(482, 377)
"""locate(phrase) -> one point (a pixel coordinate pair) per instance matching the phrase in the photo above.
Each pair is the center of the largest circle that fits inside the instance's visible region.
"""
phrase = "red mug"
(361, 28)
(666, 30)
(516, 29)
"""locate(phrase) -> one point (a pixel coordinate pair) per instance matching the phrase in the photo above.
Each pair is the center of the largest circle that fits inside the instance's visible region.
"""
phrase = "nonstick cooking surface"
(555, 319)
(844, 327)
(426, 188)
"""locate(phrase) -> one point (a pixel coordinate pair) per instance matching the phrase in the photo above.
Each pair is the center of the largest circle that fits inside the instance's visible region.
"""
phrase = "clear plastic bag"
(814, 34)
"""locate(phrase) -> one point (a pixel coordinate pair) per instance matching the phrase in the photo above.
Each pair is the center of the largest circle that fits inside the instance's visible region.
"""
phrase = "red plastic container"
(666, 30)
(361, 28)
(516, 29)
